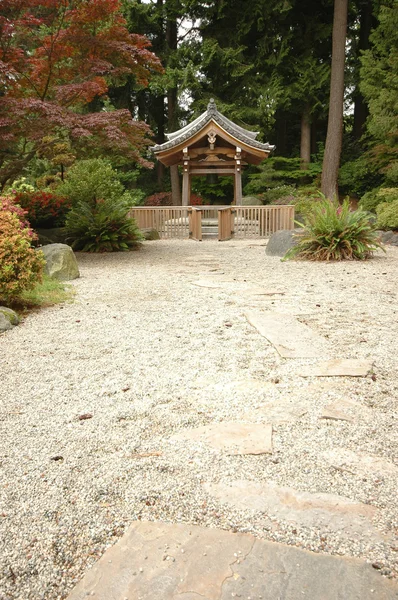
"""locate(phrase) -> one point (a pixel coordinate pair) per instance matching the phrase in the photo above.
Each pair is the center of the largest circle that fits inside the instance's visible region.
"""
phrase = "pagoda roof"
(182, 136)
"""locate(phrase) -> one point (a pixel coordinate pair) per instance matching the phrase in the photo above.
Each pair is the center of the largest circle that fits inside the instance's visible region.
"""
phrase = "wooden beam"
(212, 171)
(186, 183)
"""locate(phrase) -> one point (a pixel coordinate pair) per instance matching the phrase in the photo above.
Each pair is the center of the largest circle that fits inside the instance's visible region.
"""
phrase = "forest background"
(267, 63)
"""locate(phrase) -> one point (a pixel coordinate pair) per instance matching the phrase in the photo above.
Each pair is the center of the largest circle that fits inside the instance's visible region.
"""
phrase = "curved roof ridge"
(212, 114)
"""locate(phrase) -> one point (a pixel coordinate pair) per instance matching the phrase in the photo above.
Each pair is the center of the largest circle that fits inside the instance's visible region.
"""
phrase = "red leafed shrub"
(160, 199)
(196, 200)
(21, 266)
(44, 209)
(7, 204)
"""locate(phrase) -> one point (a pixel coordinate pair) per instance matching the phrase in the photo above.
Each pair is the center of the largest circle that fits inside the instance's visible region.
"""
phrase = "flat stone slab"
(339, 367)
(344, 410)
(362, 464)
(320, 510)
(290, 338)
(233, 438)
(282, 410)
(162, 561)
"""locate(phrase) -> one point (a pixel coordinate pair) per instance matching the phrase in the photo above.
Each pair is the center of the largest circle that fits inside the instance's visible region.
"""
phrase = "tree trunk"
(305, 143)
(360, 106)
(172, 106)
(334, 137)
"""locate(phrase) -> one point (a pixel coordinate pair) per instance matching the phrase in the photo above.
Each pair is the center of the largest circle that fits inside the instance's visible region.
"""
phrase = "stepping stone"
(339, 367)
(282, 410)
(290, 338)
(344, 410)
(361, 464)
(163, 561)
(233, 438)
(324, 511)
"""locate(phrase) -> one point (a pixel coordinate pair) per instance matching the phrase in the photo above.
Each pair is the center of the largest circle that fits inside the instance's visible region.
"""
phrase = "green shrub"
(387, 215)
(21, 267)
(371, 200)
(90, 180)
(333, 232)
(103, 226)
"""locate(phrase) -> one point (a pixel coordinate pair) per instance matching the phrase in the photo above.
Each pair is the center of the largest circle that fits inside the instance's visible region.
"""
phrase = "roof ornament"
(212, 107)
(211, 138)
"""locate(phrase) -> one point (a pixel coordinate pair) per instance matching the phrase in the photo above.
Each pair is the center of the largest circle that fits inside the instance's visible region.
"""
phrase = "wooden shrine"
(212, 145)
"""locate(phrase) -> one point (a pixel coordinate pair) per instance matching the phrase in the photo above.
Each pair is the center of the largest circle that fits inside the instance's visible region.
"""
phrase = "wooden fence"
(245, 221)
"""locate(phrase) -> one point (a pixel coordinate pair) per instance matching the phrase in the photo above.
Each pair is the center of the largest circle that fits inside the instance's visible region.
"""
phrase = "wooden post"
(238, 177)
(186, 184)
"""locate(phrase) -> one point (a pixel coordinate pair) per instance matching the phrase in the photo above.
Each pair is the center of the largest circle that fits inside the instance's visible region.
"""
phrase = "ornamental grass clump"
(334, 232)
(102, 226)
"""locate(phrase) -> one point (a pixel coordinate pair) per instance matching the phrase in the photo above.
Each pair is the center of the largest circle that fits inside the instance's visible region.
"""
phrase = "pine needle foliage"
(333, 232)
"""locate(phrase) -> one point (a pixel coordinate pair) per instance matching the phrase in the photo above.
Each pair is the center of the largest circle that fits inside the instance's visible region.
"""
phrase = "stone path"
(160, 561)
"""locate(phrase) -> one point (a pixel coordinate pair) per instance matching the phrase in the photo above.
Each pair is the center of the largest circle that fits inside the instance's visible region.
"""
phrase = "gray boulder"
(389, 237)
(61, 262)
(150, 234)
(8, 319)
(281, 241)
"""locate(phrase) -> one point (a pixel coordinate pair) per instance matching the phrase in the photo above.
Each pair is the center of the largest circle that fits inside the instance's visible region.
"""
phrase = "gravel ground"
(147, 354)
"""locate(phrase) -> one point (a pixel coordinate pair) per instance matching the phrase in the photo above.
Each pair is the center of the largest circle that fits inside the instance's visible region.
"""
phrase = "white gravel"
(147, 353)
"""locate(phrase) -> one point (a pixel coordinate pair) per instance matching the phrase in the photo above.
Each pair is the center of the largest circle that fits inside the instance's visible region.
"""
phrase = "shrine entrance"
(212, 145)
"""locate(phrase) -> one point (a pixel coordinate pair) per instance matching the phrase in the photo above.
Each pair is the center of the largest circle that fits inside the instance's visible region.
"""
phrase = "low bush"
(387, 215)
(21, 267)
(333, 232)
(43, 208)
(371, 200)
(159, 199)
(103, 226)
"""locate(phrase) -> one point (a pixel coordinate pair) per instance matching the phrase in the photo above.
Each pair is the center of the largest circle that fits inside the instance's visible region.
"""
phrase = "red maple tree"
(56, 57)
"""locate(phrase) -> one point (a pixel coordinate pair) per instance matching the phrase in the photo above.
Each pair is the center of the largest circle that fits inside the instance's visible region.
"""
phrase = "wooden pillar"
(238, 177)
(186, 183)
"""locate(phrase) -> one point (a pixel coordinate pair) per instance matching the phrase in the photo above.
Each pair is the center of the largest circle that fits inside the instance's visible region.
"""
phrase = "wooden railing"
(246, 221)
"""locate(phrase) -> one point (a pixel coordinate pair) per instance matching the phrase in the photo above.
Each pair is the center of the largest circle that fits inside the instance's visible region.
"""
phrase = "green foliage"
(333, 232)
(102, 226)
(22, 185)
(283, 175)
(20, 265)
(371, 200)
(387, 215)
(379, 85)
(90, 180)
(358, 175)
(220, 191)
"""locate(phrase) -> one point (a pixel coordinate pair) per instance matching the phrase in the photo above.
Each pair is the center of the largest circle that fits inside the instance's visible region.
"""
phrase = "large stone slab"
(290, 338)
(324, 511)
(233, 438)
(278, 411)
(360, 464)
(162, 561)
(343, 409)
(339, 367)
(281, 241)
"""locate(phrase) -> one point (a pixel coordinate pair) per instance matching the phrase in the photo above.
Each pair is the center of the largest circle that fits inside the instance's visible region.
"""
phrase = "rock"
(281, 241)
(338, 367)
(290, 338)
(345, 410)
(282, 410)
(234, 438)
(8, 319)
(54, 235)
(363, 464)
(150, 234)
(61, 262)
(168, 561)
(315, 510)
(389, 237)
(251, 201)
